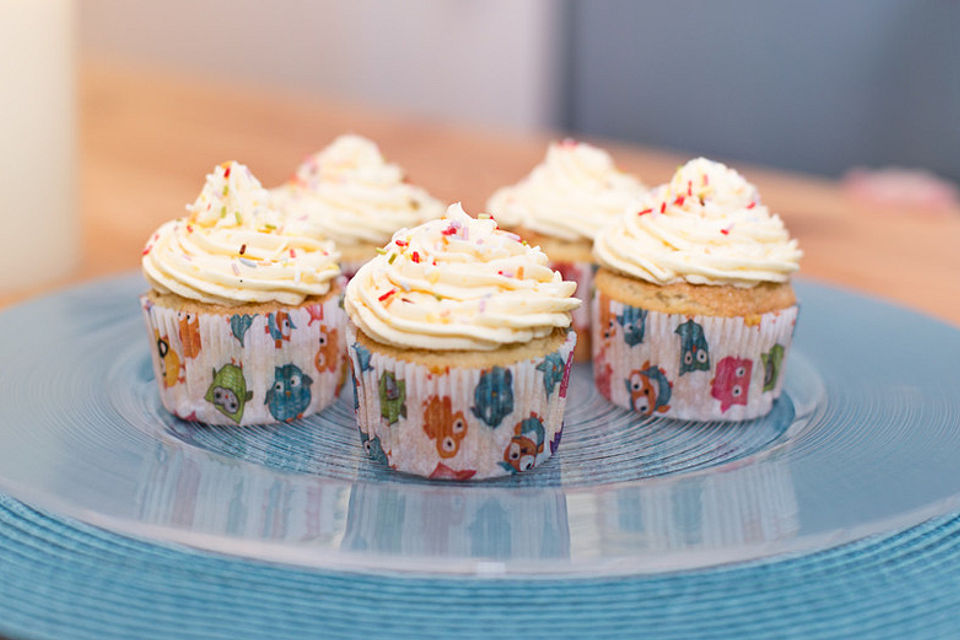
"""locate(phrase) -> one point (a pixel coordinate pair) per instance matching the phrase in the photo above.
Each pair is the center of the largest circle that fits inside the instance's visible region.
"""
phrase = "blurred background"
(112, 111)
(816, 86)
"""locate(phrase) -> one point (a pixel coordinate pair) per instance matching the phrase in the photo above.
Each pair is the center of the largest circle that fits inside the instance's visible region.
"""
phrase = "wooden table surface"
(148, 138)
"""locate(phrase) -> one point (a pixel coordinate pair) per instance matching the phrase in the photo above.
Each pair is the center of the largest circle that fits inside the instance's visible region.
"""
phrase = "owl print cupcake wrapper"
(689, 367)
(240, 368)
(459, 423)
(582, 274)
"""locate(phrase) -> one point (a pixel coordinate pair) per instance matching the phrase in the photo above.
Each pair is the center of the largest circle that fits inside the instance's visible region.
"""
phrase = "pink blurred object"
(902, 187)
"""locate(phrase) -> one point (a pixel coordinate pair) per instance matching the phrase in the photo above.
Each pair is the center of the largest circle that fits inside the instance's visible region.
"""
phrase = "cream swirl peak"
(706, 226)
(570, 195)
(354, 195)
(458, 283)
(233, 248)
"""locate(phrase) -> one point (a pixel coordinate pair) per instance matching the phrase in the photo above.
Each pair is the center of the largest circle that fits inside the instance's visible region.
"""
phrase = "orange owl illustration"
(189, 333)
(169, 361)
(443, 425)
(328, 355)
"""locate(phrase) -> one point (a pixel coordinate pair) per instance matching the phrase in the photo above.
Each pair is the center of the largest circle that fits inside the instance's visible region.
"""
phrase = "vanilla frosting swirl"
(573, 193)
(354, 195)
(706, 226)
(458, 283)
(233, 248)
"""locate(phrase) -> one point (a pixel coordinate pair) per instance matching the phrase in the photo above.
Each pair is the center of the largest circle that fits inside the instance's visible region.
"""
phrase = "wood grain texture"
(147, 139)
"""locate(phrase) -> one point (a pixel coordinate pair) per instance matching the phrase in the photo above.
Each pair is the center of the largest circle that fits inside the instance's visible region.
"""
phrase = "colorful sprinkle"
(751, 205)
(387, 295)
(293, 254)
(663, 207)
(243, 249)
(449, 231)
(678, 201)
(415, 257)
(644, 212)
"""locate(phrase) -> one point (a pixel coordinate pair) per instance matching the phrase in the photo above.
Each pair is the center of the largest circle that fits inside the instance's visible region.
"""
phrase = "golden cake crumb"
(441, 360)
(694, 299)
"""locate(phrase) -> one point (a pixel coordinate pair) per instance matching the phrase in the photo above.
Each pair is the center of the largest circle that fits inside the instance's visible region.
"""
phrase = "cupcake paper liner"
(582, 274)
(223, 368)
(459, 423)
(689, 367)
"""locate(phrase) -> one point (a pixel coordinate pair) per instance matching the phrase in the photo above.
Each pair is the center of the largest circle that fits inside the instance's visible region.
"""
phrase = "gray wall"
(817, 85)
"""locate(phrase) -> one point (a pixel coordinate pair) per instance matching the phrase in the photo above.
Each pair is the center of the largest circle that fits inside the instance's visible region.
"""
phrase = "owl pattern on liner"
(649, 390)
(228, 391)
(393, 397)
(463, 423)
(525, 445)
(554, 370)
(493, 396)
(731, 384)
(289, 396)
(704, 365)
(633, 322)
(694, 352)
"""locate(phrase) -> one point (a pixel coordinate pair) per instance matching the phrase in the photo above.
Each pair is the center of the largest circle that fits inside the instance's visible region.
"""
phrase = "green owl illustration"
(228, 391)
(772, 362)
(393, 396)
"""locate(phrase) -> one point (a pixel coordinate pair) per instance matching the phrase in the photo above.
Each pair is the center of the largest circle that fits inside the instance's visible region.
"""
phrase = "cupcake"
(356, 198)
(459, 341)
(243, 315)
(561, 206)
(693, 308)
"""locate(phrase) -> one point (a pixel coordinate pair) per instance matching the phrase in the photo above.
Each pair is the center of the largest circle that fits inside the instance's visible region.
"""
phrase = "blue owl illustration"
(634, 323)
(289, 396)
(694, 353)
(552, 367)
(239, 325)
(493, 396)
(363, 357)
(373, 448)
(356, 393)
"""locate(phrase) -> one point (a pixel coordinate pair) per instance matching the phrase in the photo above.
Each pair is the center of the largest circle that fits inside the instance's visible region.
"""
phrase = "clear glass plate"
(866, 438)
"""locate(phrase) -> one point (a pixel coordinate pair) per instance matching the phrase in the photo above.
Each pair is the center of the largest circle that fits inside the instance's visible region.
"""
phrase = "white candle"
(38, 226)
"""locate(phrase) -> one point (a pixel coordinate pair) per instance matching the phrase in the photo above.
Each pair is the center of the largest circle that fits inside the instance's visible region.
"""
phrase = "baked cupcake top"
(458, 283)
(574, 192)
(354, 195)
(233, 248)
(706, 226)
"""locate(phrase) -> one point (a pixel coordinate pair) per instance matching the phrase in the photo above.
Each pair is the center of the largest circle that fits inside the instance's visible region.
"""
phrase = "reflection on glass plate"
(864, 438)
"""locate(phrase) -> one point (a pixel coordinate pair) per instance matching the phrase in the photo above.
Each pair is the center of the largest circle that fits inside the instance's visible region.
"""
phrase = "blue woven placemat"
(63, 579)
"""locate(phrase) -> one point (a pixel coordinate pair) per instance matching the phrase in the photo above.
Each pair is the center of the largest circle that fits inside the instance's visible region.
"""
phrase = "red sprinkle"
(690, 187)
(751, 205)
(706, 179)
(725, 232)
(415, 257)
(146, 250)
(644, 212)
(400, 243)
(678, 201)
(663, 207)
(293, 254)
(189, 229)
(449, 231)
(226, 172)
(387, 295)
